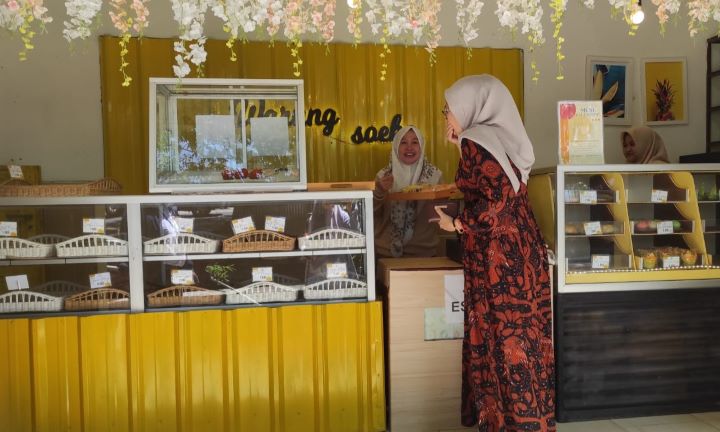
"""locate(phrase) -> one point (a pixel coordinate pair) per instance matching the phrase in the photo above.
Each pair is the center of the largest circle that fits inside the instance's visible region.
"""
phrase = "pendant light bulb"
(638, 15)
(352, 4)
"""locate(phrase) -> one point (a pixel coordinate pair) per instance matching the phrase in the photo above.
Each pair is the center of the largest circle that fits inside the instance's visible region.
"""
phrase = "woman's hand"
(445, 222)
(450, 134)
(383, 185)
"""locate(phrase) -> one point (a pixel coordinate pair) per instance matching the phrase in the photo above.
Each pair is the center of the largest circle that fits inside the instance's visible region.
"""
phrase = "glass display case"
(226, 134)
(630, 223)
(150, 252)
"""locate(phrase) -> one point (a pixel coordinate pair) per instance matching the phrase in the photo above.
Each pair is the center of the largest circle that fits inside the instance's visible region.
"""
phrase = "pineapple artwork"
(664, 100)
(665, 91)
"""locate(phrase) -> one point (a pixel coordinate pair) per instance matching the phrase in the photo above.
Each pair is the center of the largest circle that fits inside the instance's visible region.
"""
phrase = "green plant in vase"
(664, 100)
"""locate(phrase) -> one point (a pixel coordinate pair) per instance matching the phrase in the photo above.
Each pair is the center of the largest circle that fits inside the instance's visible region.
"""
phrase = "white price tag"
(15, 171)
(659, 196)
(601, 261)
(8, 229)
(184, 225)
(276, 224)
(592, 228)
(18, 282)
(336, 270)
(262, 274)
(665, 227)
(243, 225)
(100, 280)
(181, 277)
(671, 262)
(93, 226)
(588, 197)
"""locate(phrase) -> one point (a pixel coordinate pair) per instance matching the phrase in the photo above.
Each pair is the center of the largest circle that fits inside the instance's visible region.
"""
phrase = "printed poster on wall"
(580, 132)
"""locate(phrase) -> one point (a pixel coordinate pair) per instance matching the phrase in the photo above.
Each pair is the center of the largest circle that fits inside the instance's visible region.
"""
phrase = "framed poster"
(664, 91)
(609, 79)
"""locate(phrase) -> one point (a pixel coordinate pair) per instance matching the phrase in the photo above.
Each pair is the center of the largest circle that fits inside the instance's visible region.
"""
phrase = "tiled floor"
(706, 422)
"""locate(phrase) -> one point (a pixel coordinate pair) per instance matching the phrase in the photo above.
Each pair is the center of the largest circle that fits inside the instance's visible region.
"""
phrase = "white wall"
(50, 108)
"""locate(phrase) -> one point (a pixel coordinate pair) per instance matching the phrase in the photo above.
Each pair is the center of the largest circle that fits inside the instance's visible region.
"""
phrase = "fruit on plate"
(572, 228)
(227, 174)
(652, 225)
(642, 226)
(676, 225)
(688, 257)
(649, 260)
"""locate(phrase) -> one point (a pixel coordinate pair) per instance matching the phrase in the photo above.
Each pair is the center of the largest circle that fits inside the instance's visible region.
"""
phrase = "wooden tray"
(184, 295)
(100, 298)
(21, 188)
(258, 240)
(443, 191)
(366, 185)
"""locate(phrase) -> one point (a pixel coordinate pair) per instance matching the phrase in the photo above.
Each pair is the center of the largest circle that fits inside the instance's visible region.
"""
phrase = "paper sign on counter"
(671, 261)
(184, 225)
(276, 224)
(659, 196)
(100, 280)
(588, 197)
(15, 171)
(336, 270)
(243, 225)
(18, 282)
(592, 228)
(181, 277)
(262, 274)
(93, 226)
(8, 229)
(454, 298)
(665, 227)
(601, 261)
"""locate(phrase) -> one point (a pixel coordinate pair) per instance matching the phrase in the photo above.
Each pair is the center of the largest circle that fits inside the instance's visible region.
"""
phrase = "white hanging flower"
(590, 4)
(190, 16)
(665, 8)
(700, 12)
(82, 14)
(468, 12)
(525, 15)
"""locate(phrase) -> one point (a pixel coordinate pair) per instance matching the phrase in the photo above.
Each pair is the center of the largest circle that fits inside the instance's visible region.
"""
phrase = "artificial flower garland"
(26, 18)
(124, 22)
(190, 16)
(468, 12)
(82, 14)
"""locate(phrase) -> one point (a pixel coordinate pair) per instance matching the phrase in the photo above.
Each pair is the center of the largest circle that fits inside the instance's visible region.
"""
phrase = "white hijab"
(406, 175)
(488, 116)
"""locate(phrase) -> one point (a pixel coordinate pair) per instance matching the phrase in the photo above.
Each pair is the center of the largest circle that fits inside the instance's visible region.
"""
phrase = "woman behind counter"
(401, 227)
(642, 145)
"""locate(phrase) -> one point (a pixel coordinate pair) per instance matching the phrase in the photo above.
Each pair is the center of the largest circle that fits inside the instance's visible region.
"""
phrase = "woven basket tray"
(262, 292)
(20, 188)
(332, 238)
(335, 289)
(29, 301)
(60, 288)
(100, 298)
(13, 247)
(92, 245)
(258, 240)
(184, 295)
(182, 243)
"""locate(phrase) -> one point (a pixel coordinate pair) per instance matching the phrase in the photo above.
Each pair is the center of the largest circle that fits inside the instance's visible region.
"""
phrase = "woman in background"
(642, 145)
(402, 227)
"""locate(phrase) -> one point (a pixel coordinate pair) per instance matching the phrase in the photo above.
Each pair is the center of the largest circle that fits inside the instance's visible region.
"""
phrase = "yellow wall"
(339, 76)
(295, 368)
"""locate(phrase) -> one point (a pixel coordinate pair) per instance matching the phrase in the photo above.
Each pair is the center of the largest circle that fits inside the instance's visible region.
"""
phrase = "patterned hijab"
(403, 214)
(488, 116)
(649, 146)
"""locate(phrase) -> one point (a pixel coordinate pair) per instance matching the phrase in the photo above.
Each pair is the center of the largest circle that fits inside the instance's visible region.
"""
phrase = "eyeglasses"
(445, 111)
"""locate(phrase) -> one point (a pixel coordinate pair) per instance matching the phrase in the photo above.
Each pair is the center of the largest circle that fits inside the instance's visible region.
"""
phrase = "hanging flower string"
(700, 12)
(525, 15)
(274, 13)
(322, 16)
(625, 8)
(354, 20)
(467, 16)
(190, 16)
(424, 22)
(559, 7)
(82, 14)
(295, 26)
(124, 22)
(237, 16)
(665, 8)
(393, 26)
(25, 17)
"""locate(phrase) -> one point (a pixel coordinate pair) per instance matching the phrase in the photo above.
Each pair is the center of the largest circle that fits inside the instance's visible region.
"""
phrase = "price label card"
(93, 226)
(8, 229)
(181, 277)
(243, 225)
(588, 197)
(665, 227)
(184, 225)
(18, 282)
(659, 196)
(671, 261)
(100, 280)
(15, 171)
(592, 228)
(262, 274)
(571, 196)
(276, 224)
(336, 270)
(601, 261)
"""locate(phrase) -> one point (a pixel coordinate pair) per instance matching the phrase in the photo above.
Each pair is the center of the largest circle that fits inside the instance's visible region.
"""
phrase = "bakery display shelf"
(226, 256)
(54, 261)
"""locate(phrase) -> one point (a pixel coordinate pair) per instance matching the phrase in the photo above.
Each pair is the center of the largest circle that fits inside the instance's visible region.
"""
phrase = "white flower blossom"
(467, 16)
(82, 14)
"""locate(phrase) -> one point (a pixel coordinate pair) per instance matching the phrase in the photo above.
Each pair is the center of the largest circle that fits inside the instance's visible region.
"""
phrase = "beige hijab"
(649, 146)
(488, 116)
(406, 175)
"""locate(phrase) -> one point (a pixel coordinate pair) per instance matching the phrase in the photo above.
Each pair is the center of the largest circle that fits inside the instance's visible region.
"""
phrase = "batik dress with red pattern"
(507, 357)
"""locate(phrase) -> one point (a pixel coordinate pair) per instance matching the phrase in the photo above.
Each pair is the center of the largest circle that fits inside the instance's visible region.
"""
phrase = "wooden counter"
(424, 376)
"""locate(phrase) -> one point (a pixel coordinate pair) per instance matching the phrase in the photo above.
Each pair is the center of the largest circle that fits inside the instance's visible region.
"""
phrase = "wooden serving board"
(443, 191)
(366, 185)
